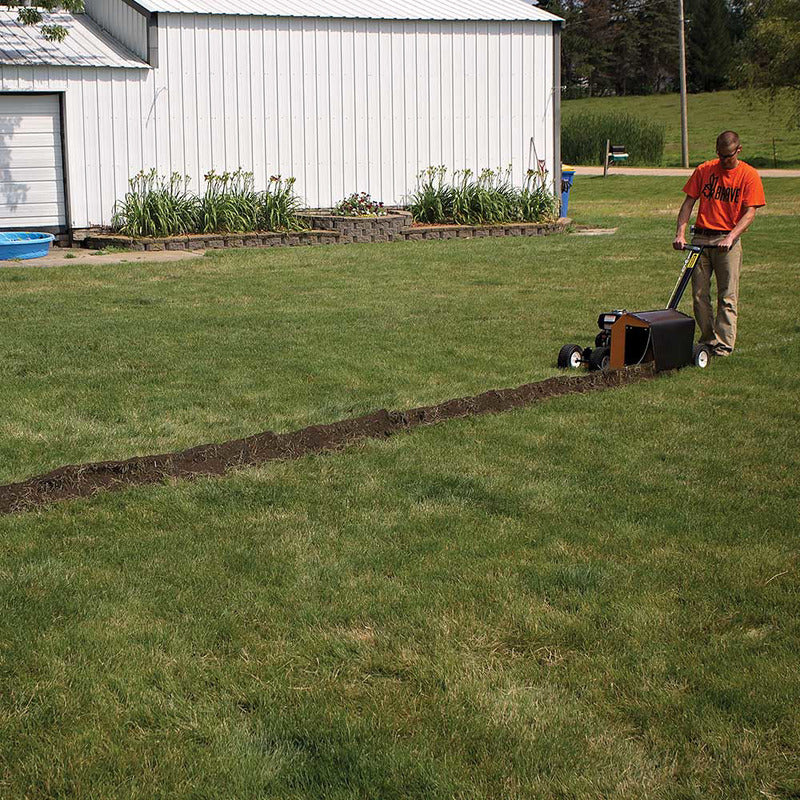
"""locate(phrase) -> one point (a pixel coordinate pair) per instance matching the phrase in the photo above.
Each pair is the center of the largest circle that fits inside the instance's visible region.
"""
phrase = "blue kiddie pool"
(15, 244)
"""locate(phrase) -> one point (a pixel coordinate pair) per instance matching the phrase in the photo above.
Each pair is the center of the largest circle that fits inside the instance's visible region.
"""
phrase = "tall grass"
(584, 135)
(489, 198)
(156, 206)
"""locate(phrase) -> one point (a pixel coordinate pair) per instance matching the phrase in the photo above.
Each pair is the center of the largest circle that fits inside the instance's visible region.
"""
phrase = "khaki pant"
(719, 332)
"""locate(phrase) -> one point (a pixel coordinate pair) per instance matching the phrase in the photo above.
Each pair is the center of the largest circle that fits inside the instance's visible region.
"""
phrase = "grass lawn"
(709, 114)
(595, 597)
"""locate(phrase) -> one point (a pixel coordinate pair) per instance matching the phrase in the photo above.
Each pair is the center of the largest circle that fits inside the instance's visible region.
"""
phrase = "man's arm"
(741, 226)
(684, 215)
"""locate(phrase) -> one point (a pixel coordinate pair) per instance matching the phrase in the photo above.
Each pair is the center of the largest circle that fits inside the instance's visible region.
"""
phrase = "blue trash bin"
(567, 177)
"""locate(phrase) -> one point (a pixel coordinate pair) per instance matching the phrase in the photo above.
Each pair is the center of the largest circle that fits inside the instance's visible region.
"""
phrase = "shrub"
(584, 135)
(359, 205)
(489, 198)
(156, 206)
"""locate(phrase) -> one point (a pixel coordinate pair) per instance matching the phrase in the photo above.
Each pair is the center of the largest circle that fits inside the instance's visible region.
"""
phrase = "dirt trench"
(84, 480)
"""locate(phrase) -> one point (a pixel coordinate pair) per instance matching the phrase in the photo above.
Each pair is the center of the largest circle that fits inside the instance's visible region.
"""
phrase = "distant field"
(708, 115)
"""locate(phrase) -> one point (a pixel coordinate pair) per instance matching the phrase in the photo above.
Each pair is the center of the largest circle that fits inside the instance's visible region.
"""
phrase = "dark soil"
(84, 480)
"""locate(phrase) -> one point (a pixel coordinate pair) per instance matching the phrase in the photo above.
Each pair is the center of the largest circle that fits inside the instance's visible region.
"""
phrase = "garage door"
(31, 163)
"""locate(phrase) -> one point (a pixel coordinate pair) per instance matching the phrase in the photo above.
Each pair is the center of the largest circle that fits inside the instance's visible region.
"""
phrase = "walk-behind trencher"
(629, 338)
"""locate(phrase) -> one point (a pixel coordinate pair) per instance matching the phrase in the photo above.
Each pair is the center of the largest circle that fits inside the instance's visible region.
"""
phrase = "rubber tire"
(567, 356)
(600, 358)
(701, 355)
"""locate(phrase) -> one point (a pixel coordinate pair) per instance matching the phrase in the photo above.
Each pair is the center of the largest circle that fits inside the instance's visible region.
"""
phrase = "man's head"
(728, 148)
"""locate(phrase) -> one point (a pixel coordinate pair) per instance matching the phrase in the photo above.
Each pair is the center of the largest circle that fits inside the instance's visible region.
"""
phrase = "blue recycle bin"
(567, 177)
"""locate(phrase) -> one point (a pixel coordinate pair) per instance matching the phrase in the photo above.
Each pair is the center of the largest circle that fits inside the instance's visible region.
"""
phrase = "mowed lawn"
(767, 141)
(593, 597)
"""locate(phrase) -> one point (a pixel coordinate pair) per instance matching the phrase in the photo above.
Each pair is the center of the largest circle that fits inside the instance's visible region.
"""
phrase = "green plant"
(156, 206)
(432, 200)
(535, 201)
(584, 135)
(279, 206)
(490, 198)
(359, 205)
(230, 202)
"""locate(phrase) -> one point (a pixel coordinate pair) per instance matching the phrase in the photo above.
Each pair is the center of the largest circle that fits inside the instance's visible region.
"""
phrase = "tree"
(39, 15)
(770, 66)
(710, 45)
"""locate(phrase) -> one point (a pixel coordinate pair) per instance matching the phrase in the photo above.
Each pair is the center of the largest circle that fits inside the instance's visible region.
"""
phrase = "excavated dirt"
(84, 480)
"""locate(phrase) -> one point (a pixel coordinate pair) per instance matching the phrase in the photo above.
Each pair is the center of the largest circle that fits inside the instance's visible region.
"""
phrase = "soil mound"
(84, 480)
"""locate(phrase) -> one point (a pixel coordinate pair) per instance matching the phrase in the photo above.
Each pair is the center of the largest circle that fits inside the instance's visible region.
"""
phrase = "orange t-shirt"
(724, 193)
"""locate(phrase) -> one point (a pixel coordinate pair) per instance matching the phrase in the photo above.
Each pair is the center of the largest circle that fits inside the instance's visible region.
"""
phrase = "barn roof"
(85, 46)
(500, 10)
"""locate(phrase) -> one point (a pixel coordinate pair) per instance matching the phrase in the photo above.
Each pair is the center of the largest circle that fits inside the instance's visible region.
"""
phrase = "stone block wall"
(388, 228)
(327, 229)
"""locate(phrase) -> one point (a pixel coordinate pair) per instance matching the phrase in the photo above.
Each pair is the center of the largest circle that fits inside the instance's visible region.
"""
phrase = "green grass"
(709, 114)
(595, 597)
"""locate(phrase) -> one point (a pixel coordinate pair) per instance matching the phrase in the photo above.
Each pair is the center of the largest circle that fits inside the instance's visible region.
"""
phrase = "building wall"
(355, 105)
(124, 23)
(341, 105)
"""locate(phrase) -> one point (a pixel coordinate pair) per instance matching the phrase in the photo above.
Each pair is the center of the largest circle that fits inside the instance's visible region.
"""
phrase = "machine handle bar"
(686, 272)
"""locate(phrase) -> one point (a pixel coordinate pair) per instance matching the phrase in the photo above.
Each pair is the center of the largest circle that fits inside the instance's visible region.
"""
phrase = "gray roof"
(85, 46)
(500, 10)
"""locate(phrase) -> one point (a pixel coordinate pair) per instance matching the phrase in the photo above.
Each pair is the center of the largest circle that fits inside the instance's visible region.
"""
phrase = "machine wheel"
(570, 357)
(600, 358)
(701, 355)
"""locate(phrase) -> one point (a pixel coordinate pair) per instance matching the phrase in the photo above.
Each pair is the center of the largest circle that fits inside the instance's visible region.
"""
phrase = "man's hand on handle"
(727, 243)
(679, 243)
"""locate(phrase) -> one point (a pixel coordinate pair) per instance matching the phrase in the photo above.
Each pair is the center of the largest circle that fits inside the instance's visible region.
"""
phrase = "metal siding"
(123, 22)
(105, 121)
(354, 105)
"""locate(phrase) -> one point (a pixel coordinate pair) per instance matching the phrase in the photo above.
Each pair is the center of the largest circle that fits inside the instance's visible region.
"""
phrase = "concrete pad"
(72, 257)
(593, 232)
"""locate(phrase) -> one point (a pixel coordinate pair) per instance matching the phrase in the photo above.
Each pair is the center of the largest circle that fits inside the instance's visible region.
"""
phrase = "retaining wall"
(326, 229)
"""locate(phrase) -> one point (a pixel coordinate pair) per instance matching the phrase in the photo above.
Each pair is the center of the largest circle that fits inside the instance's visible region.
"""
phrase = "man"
(729, 191)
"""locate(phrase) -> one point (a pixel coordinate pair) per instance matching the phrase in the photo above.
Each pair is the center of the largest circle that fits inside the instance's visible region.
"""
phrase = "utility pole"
(684, 114)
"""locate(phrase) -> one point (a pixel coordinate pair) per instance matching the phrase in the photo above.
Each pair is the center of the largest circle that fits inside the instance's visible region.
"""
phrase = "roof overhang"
(422, 10)
(86, 44)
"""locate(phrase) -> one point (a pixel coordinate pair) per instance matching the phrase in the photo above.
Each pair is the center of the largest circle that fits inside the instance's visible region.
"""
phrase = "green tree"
(770, 66)
(40, 14)
(709, 45)
(587, 44)
(655, 25)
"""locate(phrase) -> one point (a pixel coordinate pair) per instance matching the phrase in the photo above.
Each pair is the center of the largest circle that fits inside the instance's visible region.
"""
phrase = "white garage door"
(31, 164)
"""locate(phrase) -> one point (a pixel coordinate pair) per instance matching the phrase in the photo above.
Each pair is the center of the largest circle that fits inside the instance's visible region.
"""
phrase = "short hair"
(728, 139)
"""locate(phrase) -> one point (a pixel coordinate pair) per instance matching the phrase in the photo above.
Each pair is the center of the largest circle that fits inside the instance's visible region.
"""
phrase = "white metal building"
(344, 95)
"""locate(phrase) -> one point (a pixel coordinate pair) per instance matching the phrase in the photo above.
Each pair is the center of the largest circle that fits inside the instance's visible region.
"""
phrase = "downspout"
(557, 109)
